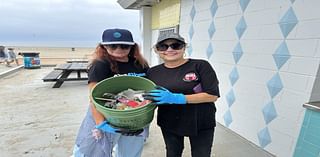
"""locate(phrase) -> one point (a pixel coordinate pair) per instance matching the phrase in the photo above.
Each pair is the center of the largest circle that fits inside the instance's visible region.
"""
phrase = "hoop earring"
(184, 51)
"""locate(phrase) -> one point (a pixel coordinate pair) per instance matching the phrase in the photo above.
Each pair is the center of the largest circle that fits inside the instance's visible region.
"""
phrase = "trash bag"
(95, 148)
(88, 144)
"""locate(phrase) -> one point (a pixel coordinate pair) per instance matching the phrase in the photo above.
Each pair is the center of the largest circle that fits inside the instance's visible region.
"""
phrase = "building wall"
(168, 11)
(308, 144)
(165, 15)
(266, 55)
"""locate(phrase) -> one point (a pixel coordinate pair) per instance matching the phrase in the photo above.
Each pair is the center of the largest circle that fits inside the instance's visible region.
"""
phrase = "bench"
(52, 76)
(77, 60)
(62, 72)
(62, 66)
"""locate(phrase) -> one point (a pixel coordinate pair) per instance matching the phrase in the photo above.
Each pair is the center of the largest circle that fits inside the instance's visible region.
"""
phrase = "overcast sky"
(70, 23)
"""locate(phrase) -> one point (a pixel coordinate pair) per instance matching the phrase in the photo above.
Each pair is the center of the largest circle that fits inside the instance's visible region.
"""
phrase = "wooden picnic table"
(62, 72)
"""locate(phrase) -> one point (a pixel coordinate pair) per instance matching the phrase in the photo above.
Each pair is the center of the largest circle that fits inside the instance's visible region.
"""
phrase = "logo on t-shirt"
(137, 74)
(132, 74)
(190, 77)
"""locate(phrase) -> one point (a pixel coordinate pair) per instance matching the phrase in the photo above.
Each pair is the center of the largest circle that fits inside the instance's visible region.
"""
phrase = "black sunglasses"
(175, 46)
(122, 46)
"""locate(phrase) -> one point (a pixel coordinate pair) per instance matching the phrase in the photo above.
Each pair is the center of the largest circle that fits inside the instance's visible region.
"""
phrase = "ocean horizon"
(66, 44)
(84, 44)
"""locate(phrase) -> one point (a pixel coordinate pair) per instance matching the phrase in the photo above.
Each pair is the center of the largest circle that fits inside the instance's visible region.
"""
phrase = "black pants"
(200, 144)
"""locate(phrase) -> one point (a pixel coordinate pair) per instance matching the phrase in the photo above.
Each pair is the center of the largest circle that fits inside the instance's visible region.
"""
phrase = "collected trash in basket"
(124, 100)
(131, 118)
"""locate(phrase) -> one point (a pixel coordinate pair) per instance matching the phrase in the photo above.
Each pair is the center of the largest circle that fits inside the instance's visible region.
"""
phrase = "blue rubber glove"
(106, 127)
(161, 95)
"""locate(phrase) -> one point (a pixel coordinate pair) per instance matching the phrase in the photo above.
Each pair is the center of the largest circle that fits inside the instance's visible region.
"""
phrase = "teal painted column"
(308, 144)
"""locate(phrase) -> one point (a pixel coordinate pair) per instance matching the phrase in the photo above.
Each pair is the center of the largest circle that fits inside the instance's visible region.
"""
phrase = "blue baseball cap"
(117, 36)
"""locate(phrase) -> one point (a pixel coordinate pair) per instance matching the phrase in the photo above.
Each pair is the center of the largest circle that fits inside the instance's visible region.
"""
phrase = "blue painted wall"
(308, 144)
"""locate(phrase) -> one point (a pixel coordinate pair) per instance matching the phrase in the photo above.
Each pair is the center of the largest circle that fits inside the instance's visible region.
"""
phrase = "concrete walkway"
(37, 120)
(226, 144)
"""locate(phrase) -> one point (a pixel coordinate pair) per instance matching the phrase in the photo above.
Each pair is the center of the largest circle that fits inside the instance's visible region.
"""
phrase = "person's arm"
(97, 116)
(161, 95)
(200, 98)
(209, 82)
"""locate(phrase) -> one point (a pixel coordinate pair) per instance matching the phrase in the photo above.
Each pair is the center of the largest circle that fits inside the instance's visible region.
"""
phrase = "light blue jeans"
(128, 146)
(76, 152)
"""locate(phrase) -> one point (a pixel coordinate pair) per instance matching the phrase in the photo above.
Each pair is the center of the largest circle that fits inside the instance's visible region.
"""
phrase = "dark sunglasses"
(122, 46)
(175, 46)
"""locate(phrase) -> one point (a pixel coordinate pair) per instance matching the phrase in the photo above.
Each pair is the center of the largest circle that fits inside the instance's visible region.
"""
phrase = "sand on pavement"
(40, 121)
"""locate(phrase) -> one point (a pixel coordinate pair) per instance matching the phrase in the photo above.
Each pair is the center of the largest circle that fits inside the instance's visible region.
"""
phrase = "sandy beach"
(55, 55)
(37, 120)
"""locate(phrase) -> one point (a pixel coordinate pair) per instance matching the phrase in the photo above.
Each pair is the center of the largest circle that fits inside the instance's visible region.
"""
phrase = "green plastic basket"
(132, 119)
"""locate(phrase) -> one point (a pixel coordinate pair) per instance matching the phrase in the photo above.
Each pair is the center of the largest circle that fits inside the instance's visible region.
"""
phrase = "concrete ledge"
(13, 70)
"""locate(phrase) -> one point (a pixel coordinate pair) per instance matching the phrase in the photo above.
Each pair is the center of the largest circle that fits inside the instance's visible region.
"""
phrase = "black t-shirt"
(101, 69)
(192, 77)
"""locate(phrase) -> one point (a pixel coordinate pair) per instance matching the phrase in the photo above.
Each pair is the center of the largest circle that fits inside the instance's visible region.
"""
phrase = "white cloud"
(58, 21)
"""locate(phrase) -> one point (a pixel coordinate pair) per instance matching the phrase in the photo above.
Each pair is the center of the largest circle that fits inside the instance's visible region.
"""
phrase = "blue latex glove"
(161, 95)
(106, 127)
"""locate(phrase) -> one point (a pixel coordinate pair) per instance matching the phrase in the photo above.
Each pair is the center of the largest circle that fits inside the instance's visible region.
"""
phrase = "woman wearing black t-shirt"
(117, 54)
(186, 92)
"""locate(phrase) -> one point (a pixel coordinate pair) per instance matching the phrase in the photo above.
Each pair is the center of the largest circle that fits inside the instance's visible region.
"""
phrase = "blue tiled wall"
(308, 144)
(266, 55)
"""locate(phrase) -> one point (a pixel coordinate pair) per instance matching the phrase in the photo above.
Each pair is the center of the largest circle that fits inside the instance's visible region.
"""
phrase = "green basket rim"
(110, 109)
